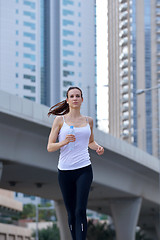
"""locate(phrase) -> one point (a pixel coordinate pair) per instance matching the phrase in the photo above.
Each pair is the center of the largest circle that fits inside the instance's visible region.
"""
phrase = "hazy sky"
(102, 64)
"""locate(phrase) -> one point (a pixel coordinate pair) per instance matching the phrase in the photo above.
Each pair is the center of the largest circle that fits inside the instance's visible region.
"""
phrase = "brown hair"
(62, 107)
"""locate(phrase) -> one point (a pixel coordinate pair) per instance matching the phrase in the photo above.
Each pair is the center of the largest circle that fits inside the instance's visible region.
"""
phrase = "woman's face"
(74, 98)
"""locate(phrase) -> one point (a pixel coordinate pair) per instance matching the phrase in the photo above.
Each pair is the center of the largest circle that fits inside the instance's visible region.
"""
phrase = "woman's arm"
(92, 144)
(52, 144)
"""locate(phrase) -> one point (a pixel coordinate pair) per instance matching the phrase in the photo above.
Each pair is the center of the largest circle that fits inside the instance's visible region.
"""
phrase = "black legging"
(75, 186)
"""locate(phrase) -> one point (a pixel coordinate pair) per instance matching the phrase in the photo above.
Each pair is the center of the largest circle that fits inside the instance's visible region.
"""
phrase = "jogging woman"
(74, 166)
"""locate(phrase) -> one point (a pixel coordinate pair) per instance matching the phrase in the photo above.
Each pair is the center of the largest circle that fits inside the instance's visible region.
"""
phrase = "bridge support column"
(125, 214)
(62, 221)
(1, 169)
(158, 228)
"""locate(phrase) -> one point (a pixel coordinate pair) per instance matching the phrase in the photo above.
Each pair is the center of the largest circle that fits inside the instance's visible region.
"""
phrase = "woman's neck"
(74, 113)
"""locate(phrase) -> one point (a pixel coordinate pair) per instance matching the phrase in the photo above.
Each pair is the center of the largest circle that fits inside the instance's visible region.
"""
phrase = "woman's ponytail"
(60, 108)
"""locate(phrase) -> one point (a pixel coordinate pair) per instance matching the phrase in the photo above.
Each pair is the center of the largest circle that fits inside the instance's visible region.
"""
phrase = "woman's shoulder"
(90, 120)
(58, 120)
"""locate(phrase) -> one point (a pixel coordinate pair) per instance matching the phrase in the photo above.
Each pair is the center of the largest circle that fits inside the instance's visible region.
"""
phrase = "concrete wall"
(9, 232)
(7, 201)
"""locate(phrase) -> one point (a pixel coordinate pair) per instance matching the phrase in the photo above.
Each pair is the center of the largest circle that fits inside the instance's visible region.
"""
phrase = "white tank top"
(78, 157)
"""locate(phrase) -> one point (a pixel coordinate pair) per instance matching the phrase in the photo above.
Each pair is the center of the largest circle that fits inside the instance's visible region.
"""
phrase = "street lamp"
(140, 91)
(37, 217)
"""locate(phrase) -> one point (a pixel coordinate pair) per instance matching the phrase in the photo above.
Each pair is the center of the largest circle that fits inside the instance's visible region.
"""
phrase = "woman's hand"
(100, 150)
(70, 138)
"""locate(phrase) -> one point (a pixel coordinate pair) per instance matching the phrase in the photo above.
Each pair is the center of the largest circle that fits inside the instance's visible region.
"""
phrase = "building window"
(16, 75)
(158, 47)
(30, 4)
(68, 2)
(67, 83)
(33, 197)
(31, 88)
(30, 77)
(31, 67)
(67, 42)
(30, 98)
(66, 73)
(17, 85)
(32, 36)
(157, 11)
(67, 12)
(30, 56)
(158, 68)
(30, 45)
(64, 93)
(67, 53)
(31, 25)
(68, 63)
(32, 15)
(17, 54)
(17, 64)
(26, 195)
(68, 32)
(17, 11)
(17, 22)
(17, 32)
(67, 22)
(158, 28)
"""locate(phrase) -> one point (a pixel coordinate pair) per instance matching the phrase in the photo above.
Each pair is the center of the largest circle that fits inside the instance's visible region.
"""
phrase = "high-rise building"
(47, 46)
(133, 46)
(70, 33)
(26, 199)
(21, 48)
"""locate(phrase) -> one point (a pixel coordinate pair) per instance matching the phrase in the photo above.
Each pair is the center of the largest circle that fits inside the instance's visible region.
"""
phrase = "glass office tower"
(21, 48)
(133, 64)
(47, 46)
(77, 50)
(71, 59)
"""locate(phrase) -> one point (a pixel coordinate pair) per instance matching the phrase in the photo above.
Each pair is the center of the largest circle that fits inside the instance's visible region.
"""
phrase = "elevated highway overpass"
(126, 179)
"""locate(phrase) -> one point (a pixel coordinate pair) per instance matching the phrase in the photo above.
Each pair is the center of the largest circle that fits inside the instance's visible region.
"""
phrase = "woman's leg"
(68, 189)
(83, 184)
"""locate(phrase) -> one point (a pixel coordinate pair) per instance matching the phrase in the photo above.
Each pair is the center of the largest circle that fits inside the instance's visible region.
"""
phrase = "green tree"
(50, 233)
(46, 214)
(99, 230)
(29, 211)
